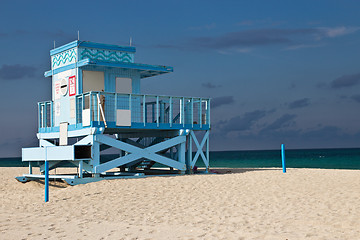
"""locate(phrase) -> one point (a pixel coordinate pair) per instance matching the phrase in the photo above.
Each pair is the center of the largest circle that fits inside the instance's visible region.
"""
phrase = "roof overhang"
(144, 69)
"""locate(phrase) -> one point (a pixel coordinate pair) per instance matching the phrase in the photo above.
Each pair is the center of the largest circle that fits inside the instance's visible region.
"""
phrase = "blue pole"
(46, 177)
(283, 157)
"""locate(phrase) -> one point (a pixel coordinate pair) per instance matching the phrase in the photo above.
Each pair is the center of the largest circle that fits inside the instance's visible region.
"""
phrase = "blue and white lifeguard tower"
(97, 104)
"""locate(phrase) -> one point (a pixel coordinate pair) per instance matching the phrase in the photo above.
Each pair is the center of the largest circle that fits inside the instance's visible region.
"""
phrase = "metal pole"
(46, 177)
(283, 157)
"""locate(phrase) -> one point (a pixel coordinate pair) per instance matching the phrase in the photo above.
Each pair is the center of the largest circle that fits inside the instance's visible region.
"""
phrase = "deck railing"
(152, 111)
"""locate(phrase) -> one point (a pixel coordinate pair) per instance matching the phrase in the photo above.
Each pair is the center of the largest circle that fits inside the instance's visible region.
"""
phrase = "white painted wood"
(93, 81)
(86, 117)
(52, 153)
(63, 141)
(123, 117)
(123, 85)
(72, 108)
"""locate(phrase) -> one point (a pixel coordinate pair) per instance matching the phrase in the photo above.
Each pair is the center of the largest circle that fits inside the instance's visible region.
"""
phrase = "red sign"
(72, 86)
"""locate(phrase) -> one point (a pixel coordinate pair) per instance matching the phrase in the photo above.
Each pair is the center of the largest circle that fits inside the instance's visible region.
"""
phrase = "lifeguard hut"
(97, 104)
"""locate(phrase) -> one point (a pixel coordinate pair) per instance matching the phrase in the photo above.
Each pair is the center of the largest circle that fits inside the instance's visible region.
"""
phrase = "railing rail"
(145, 109)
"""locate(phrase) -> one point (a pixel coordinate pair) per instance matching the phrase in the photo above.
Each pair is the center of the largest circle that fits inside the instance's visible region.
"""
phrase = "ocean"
(305, 158)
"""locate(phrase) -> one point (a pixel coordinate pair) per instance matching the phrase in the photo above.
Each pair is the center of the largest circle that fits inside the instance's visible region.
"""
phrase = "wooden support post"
(182, 155)
(95, 156)
(30, 167)
(208, 154)
(46, 177)
(81, 169)
(189, 158)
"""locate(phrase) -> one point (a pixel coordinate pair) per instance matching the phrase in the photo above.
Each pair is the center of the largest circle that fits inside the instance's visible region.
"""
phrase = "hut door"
(92, 81)
(123, 115)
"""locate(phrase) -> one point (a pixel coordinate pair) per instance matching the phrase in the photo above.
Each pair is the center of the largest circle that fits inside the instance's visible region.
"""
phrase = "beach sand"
(241, 204)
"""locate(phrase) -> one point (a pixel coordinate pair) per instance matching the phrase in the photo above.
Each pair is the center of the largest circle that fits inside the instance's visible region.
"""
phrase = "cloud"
(246, 23)
(338, 31)
(285, 120)
(219, 101)
(210, 85)
(346, 81)
(17, 71)
(204, 27)
(169, 46)
(326, 132)
(244, 122)
(59, 34)
(299, 103)
(244, 41)
(249, 38)
(302, 46)
(356, 98)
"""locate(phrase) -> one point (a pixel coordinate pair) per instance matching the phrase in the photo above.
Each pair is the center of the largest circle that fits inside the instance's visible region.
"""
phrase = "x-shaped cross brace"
(199, 149)
(136, 153)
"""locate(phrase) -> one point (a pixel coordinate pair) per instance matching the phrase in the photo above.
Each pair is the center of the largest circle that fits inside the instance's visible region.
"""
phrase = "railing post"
(98, 107)
(115, 107)
(90, 107)
(130, 98)
(183, 111)
(208, 113)
(157, 111)
(144, 110)
(170, 111)
(44, 115)
(200, 113)
(192, 112)
(39, 116)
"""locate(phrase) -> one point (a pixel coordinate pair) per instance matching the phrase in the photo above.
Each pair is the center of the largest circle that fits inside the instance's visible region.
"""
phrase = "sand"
(242, 204)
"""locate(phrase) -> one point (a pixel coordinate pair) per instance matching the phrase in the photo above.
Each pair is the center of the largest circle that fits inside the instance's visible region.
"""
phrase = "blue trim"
(77, 43)
(134, 125)
(59, 70)
(107, 46)
(64, 47)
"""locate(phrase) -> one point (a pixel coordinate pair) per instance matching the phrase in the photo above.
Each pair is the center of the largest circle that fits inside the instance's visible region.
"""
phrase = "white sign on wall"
(57, 89)
(57, 109)
(72, 108)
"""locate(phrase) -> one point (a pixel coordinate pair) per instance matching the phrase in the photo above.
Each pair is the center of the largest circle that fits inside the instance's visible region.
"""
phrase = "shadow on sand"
(237, 170)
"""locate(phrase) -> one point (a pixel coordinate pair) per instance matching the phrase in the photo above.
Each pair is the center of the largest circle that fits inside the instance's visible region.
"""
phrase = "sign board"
(57, 86)
(57, 109)
(72, 86)
(123, 117)
(72, 108)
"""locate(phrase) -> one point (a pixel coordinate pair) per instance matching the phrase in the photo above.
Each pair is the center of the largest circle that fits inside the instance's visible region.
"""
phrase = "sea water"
(305, 158)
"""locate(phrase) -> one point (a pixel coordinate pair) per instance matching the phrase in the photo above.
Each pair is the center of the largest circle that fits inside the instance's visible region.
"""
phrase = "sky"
(276, 71)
